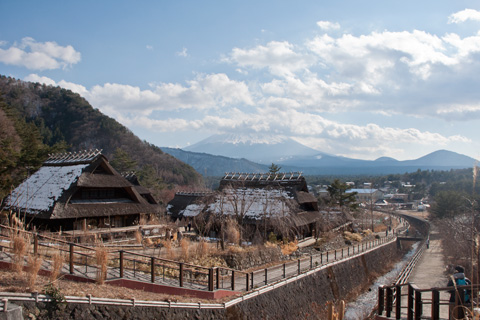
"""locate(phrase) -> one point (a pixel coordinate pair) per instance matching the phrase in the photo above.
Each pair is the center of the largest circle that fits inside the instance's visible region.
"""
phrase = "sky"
(361, 79)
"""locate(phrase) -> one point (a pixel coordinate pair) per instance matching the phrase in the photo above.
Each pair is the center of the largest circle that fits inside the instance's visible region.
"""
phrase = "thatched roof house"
(75, 190)
(253, 199)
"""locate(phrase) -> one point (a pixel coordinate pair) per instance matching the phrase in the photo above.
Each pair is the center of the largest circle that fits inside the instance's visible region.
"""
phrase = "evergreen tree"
(339, 196)
(274, 168)
(122, 162)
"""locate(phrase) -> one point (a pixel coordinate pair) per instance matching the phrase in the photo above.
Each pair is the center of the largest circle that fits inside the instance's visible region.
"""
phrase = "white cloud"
(464, 15)
(279, 57)
(77, 88)
(212, 91)
(33, 77)
(149, 47)
(182, 53)
(327, 25)
(39, 56)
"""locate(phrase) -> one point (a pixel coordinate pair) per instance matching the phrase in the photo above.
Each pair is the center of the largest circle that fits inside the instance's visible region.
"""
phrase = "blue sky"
(357, 79)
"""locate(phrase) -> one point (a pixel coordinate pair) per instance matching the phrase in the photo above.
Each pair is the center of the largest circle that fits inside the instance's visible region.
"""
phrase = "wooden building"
(278, 203)
(80, 190)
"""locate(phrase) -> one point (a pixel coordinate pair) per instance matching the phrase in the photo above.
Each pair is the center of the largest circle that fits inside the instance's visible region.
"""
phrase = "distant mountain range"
(256, 148)
(225, 153)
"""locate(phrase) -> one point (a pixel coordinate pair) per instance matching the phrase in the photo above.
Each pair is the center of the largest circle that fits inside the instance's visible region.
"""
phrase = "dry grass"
(170, 253)
(202, 249)
(289, 248)
(57, 264)
(367, 232)
(20, 243)
(269, 244)
(148, 242)
(185, 249)
(233, 231)
(101, 255)
(138, 237)
(34, 263)
(12, 282)
(352, 236)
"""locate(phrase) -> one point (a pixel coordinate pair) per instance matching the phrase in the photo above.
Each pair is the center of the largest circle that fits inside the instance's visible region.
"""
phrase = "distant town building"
(367, 195)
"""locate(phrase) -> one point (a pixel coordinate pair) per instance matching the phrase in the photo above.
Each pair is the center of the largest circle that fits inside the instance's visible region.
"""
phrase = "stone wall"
(305, 298)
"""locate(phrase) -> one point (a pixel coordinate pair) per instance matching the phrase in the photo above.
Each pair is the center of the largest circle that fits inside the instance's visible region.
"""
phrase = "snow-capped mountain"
(293, 156)
(257, 148)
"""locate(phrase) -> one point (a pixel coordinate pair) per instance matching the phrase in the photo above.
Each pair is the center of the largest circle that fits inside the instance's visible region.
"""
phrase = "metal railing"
(81, 261)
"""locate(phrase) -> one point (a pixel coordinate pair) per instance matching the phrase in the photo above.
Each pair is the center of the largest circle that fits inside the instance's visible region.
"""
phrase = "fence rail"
(140, 267)
(395, 303)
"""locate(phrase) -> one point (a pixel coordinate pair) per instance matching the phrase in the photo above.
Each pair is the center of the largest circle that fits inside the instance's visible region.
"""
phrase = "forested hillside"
(36, 119)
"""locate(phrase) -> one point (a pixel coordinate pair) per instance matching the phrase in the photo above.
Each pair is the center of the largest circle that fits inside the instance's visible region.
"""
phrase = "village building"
(366, 195)
(261, 203)
(81, 190)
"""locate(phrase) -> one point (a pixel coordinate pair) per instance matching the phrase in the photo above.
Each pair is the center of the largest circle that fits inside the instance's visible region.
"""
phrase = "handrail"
(390, 301)
(240, 280)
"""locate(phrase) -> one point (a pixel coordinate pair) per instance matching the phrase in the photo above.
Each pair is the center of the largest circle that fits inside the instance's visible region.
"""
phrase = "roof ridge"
(268, 176)
(63, 158)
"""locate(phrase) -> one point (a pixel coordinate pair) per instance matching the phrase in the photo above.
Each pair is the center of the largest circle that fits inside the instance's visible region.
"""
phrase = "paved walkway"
(430, 271)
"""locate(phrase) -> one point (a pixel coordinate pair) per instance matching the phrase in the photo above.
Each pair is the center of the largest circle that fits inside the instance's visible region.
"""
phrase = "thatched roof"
(254, 197)
(78, 185)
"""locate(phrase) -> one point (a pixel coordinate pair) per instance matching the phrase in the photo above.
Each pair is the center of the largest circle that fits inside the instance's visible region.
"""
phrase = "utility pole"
(371, 206)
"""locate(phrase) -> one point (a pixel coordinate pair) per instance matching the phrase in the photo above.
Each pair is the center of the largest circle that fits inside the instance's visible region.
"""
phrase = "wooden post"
(233, 281)
(381, 300)
(152, 269)
(335, 255)
(418, 305)
(435, 304)
(298, 266)
(180, 276)
(71, 258)
(121, 263)
(247, 281)
(218, 278)
(284, 271)
(389, 302)
(311, 262)
(411, 294)
(210, 280)
(251, 280)
(266, 277)
(35, 244)
(398, 301)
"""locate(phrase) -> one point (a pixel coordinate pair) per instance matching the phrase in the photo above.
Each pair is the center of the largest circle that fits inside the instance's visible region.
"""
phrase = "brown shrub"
(289, 248)
(57, 264)
(185, 249)
(202, 249)
(169, 250)
(20, 243)
(138, 237)
(101, 255)
(233, 231)
(34, 263)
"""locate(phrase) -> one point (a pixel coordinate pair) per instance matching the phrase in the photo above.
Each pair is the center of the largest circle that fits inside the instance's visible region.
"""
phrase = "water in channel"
(364, 304)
